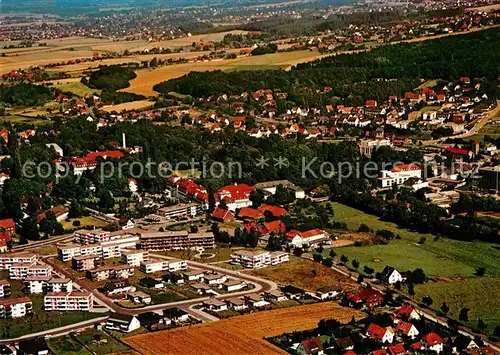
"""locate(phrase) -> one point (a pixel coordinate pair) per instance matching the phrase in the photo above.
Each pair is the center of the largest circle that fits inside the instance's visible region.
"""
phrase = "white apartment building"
(72, 301)
(15, 307)
(110, 248)
(368, 146)
(154, 265)
(113, 247)
(84, 236)
(258, 259)
(278, 257)
(37, 285)
(399, 174)
(7, 260)
(134, 257)
(180, 210)
(67, 252)
(4, 288)
(23, 270)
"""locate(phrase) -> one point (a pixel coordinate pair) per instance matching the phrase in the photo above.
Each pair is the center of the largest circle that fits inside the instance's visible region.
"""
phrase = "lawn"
(67, 346)
(41, 320)
(84, 221)
(478, 294)
(100, 343)
(444, 257)
(221, 254)
(77, 88)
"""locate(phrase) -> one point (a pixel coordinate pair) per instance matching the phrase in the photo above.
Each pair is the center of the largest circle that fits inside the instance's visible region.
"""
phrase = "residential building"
(407, 329)
(8, 225)
(84, 236)
(182, 210)
(407, 312)
(274, 296)
(193, 275)
(235, 196)
(38, 285)
(233, 285)
(86, 262)
(312, 346)
(22, 271)
(118, 287)
(433, 342)
(159, 241)
(269, 188)
(309, 238)
(328, 292)
(134, 257)
(236, 303)
(122, 323)
(111, 272)
(278, 257)
(371, 297)
(67, 252)
(293, 293)
(177, 265)
(176, 315)
(8, 259)
(254, 300)
(154, 265)
(391, 276)
(214, 304)
(399, 174)
(258, 259)
(376, 332)
(139, 297)
(368, 146)
(214, 278)
(69, 301)
(4, 288)
(15, 307)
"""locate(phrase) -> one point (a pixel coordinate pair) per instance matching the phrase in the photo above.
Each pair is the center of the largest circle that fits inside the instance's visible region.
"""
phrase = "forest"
(383, 71)
(110, 78)
(24, 95)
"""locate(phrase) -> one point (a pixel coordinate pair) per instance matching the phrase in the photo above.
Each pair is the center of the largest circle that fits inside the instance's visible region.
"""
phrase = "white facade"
(399, 174)
(7, 260)
(15, 308)
(134, 257)
(154, 265)
(394, 277)
(73, 301)
(22, 271)
(123, 325)
(368, 146)
(258, 259)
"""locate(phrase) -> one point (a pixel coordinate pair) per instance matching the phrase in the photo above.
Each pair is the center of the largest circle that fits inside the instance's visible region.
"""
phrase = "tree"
(328, 262)
(193, 228)
(344, 259)
(355, 263)
(332, 254)
(368, 270)
(444, 308)
(363, 228)
(464, 314)
(496, 331)
(50, 225)
(418, 276)
(481, 324)
(411, 290)
(427, 300)
(106, 200)
(318, 257)
(274, 243)
(480, 271)
(29, 229)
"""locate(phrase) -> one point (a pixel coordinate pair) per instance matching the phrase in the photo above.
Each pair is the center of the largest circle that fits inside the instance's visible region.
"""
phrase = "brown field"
(486, 8)
(147, 78)
(239, 335)
(127, 106)
(299, 272)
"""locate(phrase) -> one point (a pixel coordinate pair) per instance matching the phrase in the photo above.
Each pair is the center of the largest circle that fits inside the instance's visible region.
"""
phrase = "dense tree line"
(25, 95)
(110, 78)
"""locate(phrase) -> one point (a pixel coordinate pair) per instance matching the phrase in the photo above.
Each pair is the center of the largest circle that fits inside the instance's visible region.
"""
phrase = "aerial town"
(251, 177)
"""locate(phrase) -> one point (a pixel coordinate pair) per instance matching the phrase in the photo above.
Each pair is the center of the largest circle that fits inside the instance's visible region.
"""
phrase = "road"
(478, 125)
(41, 243)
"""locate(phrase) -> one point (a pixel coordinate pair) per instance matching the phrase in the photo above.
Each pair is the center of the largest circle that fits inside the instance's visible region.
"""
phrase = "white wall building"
(15, 307)
(72, 301)
(399, 174)
(134, 257)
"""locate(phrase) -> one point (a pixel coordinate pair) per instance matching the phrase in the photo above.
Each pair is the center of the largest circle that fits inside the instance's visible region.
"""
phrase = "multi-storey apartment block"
(72, 301)
(4, 288)
(158, 241)
(7, 260)
(47, 284)
(67, 252)
(112, 272)
(180, 211)
(134, 257)
(110, 248)
(86, 262)
(258, 259)
(22, 271)
(84, 236)
(15, 307)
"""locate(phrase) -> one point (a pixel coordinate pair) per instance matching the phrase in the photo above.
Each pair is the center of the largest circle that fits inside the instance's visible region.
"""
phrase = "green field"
(480, 295)
(77, 88)
(100, 343)
(444, 257)
(67, 346)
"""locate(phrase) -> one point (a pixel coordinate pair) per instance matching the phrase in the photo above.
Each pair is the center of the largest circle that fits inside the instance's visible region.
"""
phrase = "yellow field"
(236, 336)
(147, 78)
(75, 86)
(127, 106)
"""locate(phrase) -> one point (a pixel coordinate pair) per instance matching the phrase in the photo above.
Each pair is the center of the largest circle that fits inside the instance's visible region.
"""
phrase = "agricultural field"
(147, 78)
(75, 86)
(443, 257)
(234, 336)
(479, 294)
(128, 106)
(304, 274)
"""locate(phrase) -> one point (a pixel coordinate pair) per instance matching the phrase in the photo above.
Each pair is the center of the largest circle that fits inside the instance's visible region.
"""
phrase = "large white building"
(399, 174)
(4, 288)
(134, 257)
(108, 248)
(22, 271)
(47, 284)
(15, 307)
(235, 196)
(368, 146)
(69, 301)
(7, 260)
(156, 265)
(258, 259)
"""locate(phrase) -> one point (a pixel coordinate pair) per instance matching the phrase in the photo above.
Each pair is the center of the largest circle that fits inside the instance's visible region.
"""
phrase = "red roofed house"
(458, 152)
(311, 237)
(236, 196)
(89, 162)
(371, 103)
(408, 312)
(8, 225)
(249, 214)
(371, 297)
(274, 210)
(433, 342)
(379, 352)
(397, 349)
(276, 227)
(376, 332)
(407, 329)
(311, 346)
(399, 174)
(222, 215)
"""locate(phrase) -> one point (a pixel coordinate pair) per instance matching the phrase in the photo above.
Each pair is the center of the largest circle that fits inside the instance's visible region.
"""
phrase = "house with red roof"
(396, 349)
(311, 346)
(407, 328)
(235, 196)
(371, 297)
(8, 225)
(274, 210)
(458, 153)
(308, 238)
(381, 334)
(407, 312)
(249, 214)
(379, 352)
(222, 215)
(399, 174)
(276, 227)
(433, 341)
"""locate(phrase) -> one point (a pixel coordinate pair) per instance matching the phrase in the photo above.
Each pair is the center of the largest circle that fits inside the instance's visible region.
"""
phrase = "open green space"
(67, 346)
(100, 343)
(479, 294)
(443, 257)
(221, 254)
(77, 88)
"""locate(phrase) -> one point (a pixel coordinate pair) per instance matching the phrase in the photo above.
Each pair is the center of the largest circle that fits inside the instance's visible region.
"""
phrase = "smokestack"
(124, 143)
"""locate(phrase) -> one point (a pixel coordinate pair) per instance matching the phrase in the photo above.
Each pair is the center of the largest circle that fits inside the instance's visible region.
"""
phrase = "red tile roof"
(275, 210)
(7, 223)
(397, 349)
(432, 339)
(222, 214)
(311, 233)
(232, 193)
(405, 167)
(313, 345)
(380, 352)
(457, 151)
(275, 227)
(376, 331)
(404, 327)
(405, 310)
(250, 213)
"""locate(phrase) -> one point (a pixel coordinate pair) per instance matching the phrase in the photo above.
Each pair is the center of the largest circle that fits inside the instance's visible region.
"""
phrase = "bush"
(76, 223)
(363, 228)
